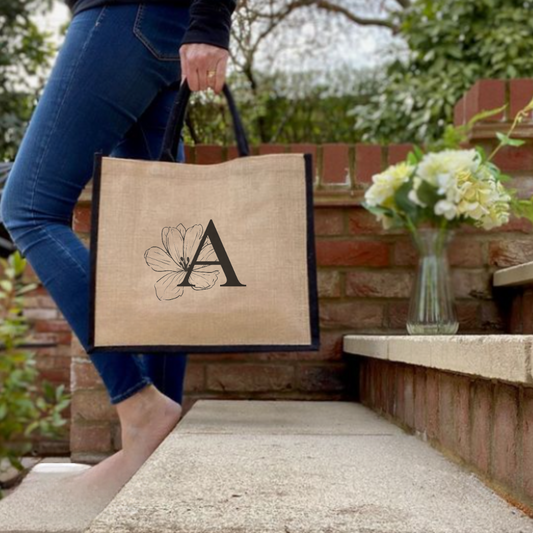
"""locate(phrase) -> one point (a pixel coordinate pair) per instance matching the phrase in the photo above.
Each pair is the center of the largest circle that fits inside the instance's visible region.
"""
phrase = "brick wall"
(482, 424)
(364, 274)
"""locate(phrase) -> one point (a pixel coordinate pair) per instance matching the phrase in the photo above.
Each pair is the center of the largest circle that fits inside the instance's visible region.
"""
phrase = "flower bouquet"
(432, 193)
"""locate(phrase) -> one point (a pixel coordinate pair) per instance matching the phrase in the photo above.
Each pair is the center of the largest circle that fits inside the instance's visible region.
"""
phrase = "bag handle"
(177, 120)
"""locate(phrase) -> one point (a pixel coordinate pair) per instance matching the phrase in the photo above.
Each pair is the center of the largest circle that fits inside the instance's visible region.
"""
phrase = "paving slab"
(301, 467)
(45, 502)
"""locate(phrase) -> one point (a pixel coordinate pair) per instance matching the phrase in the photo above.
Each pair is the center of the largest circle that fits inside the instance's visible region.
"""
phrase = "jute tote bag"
(203, 258)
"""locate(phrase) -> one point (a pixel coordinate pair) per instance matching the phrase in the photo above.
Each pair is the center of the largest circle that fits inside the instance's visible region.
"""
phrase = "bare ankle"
(138, 408)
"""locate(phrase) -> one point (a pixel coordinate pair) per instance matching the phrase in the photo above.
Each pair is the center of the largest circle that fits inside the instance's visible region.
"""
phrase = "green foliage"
(24, 406)
(285, 107)
(25, 53)
(452, 44)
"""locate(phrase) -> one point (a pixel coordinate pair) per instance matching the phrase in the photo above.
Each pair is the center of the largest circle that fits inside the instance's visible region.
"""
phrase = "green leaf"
(507, 141)
(485, 114)
(402, 201)
(428, 194)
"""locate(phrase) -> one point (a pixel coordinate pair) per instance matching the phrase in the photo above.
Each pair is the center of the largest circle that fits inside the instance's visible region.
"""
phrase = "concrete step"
(301, 467)
(45, 502)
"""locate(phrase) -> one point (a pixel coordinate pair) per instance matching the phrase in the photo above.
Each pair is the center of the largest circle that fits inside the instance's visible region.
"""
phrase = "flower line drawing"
(180, 246)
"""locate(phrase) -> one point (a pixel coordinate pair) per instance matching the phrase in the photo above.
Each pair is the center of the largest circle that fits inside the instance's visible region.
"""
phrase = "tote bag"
(203, 258)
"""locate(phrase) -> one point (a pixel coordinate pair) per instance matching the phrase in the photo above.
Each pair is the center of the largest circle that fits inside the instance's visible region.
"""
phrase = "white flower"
(440, 168)
(448, 209)
(385, 184)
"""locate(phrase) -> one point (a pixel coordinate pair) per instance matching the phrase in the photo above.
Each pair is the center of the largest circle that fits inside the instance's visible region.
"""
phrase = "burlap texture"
(258, 206)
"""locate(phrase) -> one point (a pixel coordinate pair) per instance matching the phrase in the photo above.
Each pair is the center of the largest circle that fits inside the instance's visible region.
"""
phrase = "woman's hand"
(204, 66)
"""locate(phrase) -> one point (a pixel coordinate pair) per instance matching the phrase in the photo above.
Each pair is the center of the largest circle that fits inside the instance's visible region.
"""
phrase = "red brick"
(190, 154)
(514, 159)
(398, 407)
(367, 162)
(321, 378)
(446, 407)
(94, 438)
(58, 350)
(335, 164)
(250, 378)
(527, 310)
(462, 416)
(504, 443)
(397, 315)
(468, 315)
(419, 399)
(409, 395)
(47, 338)
(465, 252)
(116, 437)
(362, 221)
(521, 93)
(516, 309)
(470, 283)
(305, 148)
(459, 112)
(194, 377)
(404, 253)
(81, 220)
(328, 284)
(364, 381)
(381, 386)
(208, 154)
(352, 253)
(432, 404)
(265, 149)
(232, 153)
(382, 380)
(56, 376)
(398, 152)
(510, 252)
(390, 388)
(330, 349)
(93, 405)
(527, 444)
(40, 302)
(379, 283)
(42, 314)
(85, 376)
(356, 314)
(372, 392)
(52, 326)
(491, 318)
(485, 95)
(481, 419)
(53, 363)
(515, 223)
(328, 221)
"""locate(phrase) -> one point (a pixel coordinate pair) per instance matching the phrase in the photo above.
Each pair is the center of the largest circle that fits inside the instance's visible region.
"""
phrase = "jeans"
(110, 90)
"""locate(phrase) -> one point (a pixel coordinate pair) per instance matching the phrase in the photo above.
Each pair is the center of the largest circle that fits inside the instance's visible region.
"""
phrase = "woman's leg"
(144, 141)
(104, 78)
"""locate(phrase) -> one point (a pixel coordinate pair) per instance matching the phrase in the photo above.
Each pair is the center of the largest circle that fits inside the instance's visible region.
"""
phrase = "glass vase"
(432, 308)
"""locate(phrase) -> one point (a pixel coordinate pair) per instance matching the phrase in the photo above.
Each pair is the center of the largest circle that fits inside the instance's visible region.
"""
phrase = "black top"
(210, 20)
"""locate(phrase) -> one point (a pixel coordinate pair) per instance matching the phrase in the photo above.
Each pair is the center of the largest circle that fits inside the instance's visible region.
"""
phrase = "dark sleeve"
(210, 22)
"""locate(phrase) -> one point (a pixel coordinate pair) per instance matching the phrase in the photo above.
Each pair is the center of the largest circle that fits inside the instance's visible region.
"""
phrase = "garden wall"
(364, 273)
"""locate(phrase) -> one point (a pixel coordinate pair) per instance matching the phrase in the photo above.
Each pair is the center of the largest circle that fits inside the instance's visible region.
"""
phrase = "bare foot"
(146, 418)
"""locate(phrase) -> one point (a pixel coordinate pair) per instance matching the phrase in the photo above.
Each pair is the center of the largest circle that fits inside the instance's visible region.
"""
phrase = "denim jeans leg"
(104, 78)
(144, 141)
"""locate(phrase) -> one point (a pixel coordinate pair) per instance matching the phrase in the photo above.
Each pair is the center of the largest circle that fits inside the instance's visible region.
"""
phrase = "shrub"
(25, 406)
